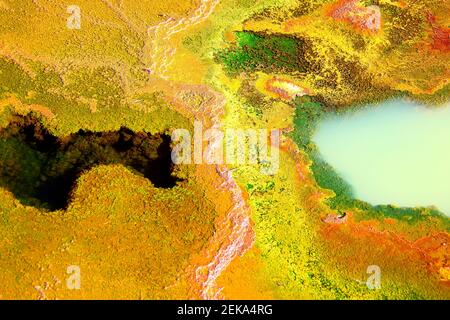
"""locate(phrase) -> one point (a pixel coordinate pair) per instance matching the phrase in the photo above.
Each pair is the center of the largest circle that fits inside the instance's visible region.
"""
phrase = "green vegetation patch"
(261, 52)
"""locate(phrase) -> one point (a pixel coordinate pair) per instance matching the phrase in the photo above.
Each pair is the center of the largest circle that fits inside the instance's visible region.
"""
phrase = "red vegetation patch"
(365, 242)
(360, 17)
(440, 35)
(437, 248)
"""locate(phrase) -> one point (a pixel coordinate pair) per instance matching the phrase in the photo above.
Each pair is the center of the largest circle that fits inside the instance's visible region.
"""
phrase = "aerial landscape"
(225, 149)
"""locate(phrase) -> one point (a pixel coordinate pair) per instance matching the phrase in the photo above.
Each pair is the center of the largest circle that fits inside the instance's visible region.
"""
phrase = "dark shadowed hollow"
(41, 170)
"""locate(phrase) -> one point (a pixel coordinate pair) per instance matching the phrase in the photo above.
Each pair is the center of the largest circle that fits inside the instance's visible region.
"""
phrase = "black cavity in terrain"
(41, 169)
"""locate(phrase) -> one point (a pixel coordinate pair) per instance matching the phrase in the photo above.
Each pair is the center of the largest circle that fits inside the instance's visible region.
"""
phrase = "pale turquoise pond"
(394, 153)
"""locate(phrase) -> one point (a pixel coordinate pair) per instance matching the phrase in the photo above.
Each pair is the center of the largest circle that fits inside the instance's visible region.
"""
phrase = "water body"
(397, 152)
